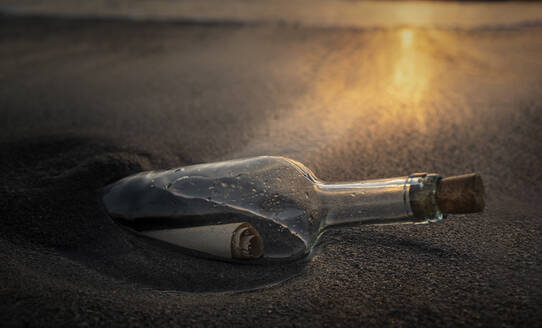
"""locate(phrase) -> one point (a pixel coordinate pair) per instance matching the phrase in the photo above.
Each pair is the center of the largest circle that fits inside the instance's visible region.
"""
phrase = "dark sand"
(83, 104)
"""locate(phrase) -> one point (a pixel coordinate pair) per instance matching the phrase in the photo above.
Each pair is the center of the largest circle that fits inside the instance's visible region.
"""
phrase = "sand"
(84, 103)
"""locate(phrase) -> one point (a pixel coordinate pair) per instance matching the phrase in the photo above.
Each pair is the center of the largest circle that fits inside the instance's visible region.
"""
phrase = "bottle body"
(279, 197)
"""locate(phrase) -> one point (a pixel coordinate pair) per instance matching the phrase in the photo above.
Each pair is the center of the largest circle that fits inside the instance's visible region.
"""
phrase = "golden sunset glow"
(411, 71)
(406, 38)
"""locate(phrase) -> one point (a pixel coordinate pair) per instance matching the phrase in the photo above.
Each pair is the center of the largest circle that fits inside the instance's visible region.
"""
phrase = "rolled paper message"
(231, 241)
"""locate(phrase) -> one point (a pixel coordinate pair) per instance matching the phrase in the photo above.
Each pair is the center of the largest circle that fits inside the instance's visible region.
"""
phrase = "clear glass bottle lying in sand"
(274, 208)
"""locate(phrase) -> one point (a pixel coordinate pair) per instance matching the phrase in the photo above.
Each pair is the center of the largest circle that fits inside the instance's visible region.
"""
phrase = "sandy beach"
(85, 102)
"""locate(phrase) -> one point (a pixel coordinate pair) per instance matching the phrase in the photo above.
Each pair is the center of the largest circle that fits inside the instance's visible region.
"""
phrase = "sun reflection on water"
(383, 79)
(406, 38)
(411, 76)
(411, 73)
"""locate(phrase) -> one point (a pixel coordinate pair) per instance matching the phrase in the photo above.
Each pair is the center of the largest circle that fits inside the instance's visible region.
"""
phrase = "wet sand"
(84, 103)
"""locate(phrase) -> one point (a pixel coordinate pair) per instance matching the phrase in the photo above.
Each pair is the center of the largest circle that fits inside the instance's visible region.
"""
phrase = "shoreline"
(323, 14)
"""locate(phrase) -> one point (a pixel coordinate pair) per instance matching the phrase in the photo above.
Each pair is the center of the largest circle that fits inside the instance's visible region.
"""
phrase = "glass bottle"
(286, 207)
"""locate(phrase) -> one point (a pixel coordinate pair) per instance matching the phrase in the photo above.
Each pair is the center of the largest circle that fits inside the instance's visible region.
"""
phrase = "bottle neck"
(408, 199)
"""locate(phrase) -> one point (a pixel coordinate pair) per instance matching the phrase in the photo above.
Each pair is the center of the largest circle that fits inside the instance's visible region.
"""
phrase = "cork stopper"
(461, 194)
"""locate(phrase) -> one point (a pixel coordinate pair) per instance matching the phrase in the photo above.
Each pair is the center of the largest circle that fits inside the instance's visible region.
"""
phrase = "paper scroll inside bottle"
(230, 241)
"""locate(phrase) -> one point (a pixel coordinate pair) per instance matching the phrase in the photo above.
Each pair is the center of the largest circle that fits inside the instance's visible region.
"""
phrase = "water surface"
(321, 13)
